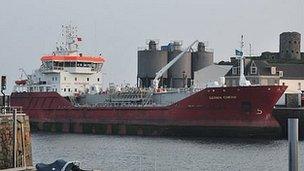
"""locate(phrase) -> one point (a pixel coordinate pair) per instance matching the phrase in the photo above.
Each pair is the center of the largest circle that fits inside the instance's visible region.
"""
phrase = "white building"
(292, 76)
(210, 74)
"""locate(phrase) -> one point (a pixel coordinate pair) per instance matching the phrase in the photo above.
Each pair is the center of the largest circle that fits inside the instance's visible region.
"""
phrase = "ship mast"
(240, 55)
(69, 41)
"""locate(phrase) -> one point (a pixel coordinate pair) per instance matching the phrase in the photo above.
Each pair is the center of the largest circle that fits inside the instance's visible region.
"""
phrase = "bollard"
(15, 137)
(293, 143)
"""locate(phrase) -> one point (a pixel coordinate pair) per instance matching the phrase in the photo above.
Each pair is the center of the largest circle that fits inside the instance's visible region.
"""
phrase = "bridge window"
(58, 65)
(48, 65)
(87, 64)
(84, 64)
(69, 64)
(79, 64)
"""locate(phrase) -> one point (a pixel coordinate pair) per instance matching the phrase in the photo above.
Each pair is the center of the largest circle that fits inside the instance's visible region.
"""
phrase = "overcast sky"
(30, 28)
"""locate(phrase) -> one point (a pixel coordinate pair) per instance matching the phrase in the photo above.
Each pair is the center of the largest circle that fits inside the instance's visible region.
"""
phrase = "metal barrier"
(10, 109)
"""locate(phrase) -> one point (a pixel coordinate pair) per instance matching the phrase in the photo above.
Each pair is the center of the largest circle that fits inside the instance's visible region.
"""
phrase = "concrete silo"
(179, 75)
(201, 58)
(150, 61)
(290, 45)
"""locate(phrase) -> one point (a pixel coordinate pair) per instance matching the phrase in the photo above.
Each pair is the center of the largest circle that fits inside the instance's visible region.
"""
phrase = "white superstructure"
(66, 71)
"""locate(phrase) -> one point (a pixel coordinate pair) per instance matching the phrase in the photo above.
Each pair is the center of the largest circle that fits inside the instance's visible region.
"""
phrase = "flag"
(79, 39)
(238, 53)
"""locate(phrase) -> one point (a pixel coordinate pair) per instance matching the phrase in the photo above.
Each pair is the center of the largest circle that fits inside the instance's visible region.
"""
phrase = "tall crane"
(160, 73)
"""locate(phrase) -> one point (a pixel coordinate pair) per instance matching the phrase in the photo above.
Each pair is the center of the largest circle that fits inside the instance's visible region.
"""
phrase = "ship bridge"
(72, 63)
(66, 71)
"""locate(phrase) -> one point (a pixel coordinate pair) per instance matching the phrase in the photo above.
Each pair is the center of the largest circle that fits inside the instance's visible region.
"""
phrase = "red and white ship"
(65, 95)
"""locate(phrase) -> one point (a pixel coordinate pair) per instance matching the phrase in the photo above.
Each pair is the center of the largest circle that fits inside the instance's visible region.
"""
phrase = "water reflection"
(159, 153)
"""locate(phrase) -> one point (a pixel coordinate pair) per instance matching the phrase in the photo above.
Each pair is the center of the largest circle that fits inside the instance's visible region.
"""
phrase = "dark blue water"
(152, 153)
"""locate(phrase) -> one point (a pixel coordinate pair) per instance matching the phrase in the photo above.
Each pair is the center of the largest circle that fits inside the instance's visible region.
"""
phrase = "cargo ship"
(65, 95)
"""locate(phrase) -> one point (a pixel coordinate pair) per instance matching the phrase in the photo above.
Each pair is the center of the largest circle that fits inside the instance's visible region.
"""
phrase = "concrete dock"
(283, 113)
(29, 168)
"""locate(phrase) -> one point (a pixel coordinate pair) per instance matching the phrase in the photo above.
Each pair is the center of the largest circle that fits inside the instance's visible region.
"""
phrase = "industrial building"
(210, 75)
(181, 74)
(150, 61)
(201, 58)
(197, 67)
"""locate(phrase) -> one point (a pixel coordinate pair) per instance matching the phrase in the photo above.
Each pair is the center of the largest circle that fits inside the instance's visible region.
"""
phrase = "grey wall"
(290, 45)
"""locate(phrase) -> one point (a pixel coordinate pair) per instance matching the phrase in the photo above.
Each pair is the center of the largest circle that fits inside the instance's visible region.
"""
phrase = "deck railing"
(10, 109)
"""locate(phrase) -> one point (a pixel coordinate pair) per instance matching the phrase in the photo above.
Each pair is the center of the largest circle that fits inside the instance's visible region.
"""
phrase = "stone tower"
(290, 45)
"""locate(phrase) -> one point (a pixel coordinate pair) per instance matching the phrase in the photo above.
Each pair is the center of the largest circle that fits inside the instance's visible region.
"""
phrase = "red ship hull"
(225, 107)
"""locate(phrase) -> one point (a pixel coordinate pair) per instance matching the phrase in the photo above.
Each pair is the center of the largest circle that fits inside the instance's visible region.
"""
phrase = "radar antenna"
(69, 42)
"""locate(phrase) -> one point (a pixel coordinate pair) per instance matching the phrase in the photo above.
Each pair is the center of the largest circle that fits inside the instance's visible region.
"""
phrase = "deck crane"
(28, 78)
(160, 73)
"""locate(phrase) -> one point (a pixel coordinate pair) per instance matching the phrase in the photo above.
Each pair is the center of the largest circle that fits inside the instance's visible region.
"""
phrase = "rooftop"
(63, 58)
(291, 71)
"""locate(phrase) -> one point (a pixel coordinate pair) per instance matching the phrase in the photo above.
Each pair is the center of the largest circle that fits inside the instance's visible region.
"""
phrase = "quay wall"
(24, 155)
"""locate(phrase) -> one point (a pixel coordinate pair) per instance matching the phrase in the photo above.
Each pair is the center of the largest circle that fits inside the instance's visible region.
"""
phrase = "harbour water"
(159, 153)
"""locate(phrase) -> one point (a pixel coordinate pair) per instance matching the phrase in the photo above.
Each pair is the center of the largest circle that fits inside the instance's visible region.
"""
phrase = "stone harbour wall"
(24, 149)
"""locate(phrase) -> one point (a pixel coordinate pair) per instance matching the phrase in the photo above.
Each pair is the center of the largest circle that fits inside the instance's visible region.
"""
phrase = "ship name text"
(221, 97)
